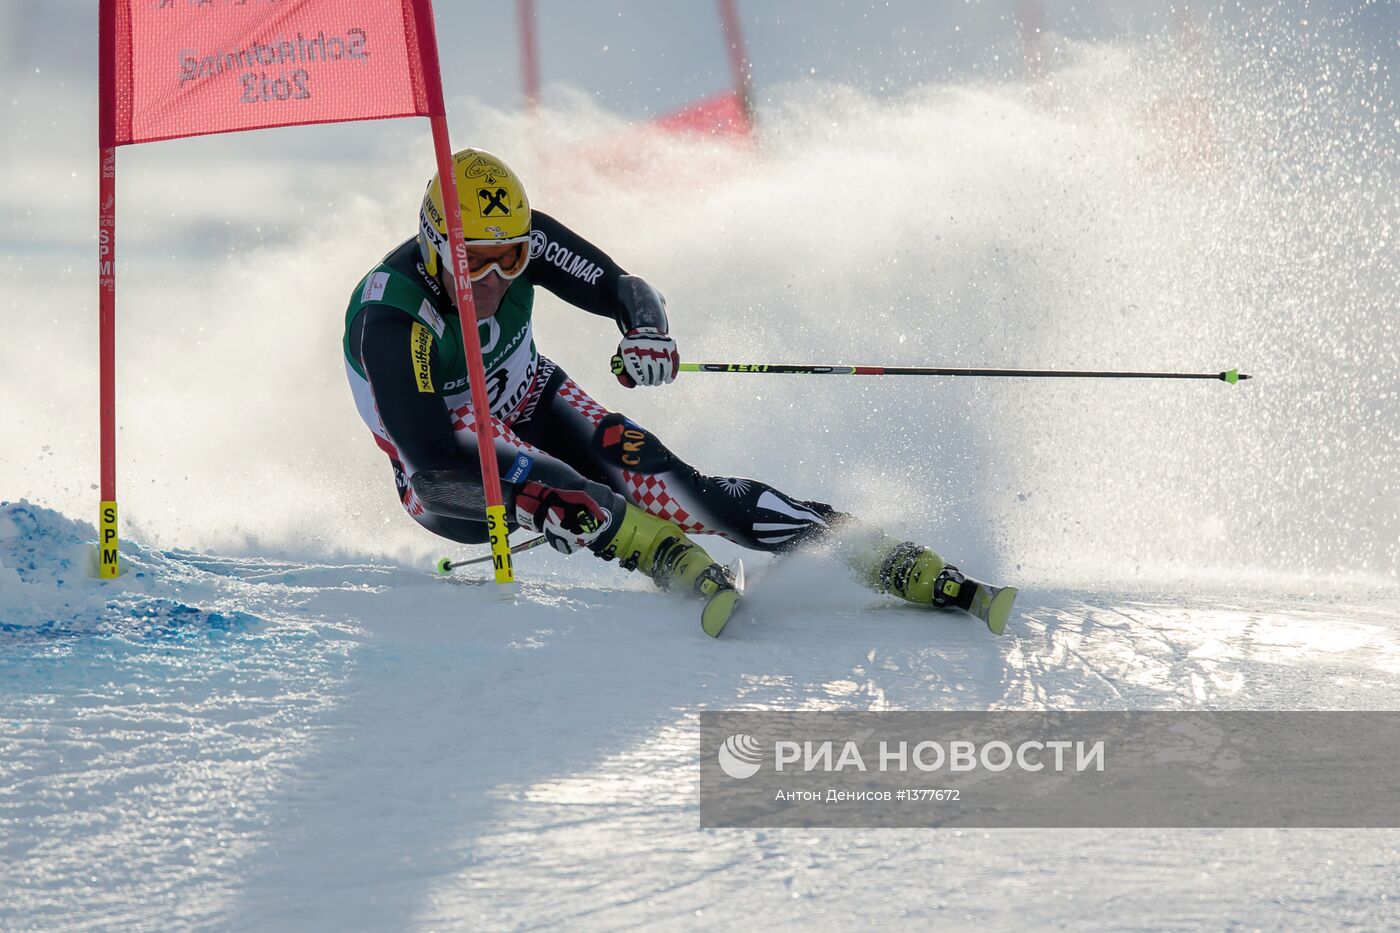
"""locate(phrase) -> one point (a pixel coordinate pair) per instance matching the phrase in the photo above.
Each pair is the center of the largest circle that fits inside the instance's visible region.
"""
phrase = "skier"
(584, 477)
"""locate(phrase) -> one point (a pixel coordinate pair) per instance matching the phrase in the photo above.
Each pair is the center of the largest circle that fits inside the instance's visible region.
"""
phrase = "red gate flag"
(191, 67)
(174, 68)
(724, 114)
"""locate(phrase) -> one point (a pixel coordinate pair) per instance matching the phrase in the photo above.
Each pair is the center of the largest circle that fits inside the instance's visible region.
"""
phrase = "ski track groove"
(1178, 660)
(1092, 669)
(698, 878)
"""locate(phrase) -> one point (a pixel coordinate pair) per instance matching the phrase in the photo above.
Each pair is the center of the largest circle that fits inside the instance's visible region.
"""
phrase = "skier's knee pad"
(628, 445)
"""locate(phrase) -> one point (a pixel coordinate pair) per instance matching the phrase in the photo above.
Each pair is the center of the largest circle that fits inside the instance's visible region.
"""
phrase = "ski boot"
(662, 551)
(918, 575)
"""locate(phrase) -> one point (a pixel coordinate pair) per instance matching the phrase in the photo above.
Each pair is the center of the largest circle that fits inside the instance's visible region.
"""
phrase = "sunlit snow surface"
(367, 746)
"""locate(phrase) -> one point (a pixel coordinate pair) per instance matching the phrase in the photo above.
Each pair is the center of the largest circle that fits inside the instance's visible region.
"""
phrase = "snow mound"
(45, 586)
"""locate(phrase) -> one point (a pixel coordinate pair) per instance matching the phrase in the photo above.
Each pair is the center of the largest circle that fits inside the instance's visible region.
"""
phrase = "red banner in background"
(191, 67)
(721, 115)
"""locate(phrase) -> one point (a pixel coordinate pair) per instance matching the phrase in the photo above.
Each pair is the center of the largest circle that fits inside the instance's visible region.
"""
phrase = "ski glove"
(569, 519)
(646, 357)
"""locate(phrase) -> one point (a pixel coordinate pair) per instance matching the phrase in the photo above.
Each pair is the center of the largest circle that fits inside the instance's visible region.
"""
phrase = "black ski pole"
(1231, 376)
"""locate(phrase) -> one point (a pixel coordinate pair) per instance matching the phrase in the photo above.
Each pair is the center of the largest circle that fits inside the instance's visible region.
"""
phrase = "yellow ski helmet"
(493, 205)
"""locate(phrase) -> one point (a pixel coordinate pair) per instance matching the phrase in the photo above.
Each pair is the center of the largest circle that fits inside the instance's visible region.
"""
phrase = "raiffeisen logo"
(740, 756)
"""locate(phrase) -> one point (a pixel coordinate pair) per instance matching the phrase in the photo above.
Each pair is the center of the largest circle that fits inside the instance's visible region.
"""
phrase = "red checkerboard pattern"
(581, 401)
(649, 491)
(462, 420)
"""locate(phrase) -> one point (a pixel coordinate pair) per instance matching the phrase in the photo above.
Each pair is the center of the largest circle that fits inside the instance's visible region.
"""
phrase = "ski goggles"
(507, 258)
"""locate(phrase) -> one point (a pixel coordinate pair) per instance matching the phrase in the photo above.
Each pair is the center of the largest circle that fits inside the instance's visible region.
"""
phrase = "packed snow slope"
(255, 743)
(279, 719)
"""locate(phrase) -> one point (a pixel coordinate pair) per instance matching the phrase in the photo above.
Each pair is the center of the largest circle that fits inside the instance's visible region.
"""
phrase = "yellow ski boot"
(920, 576)
(662, 551)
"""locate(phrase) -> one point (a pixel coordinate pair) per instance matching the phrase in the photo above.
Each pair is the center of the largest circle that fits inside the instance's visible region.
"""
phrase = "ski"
(992, 604)
(724, 599)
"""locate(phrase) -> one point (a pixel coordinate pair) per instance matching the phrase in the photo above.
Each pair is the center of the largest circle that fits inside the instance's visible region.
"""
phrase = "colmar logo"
(740, 756)
(580, 267)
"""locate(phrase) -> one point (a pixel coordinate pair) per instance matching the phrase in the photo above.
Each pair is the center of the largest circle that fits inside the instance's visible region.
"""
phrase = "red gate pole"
(107, 565)
(738, 56)
(466, 309)
(529, 54)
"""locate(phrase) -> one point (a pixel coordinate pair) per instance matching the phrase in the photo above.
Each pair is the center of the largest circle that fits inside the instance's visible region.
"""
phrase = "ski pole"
(446, 565)
(1231, 376)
